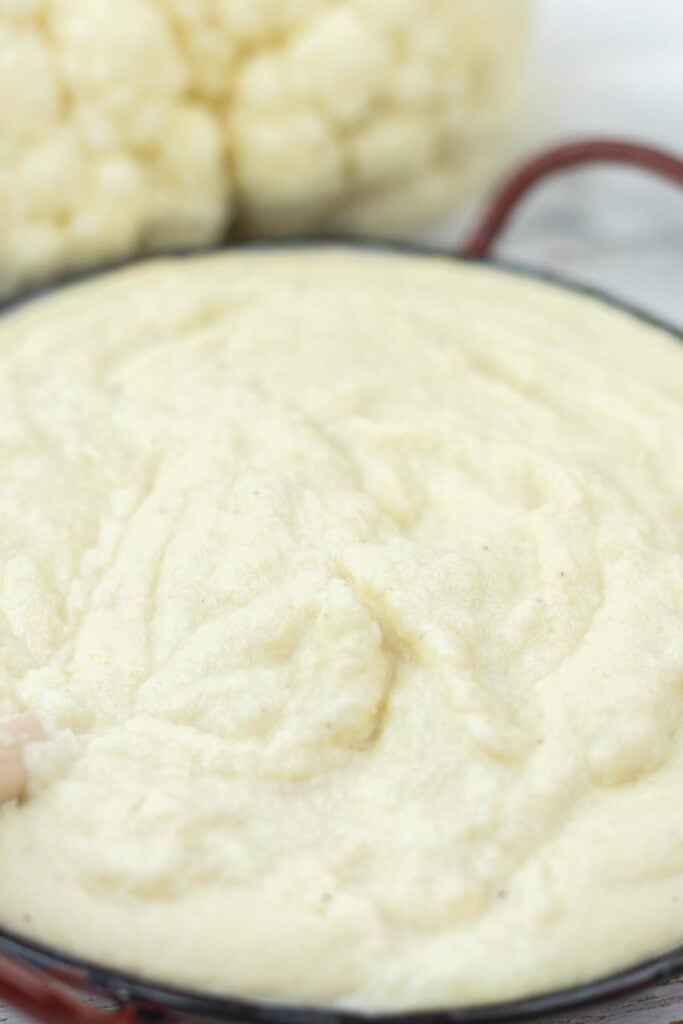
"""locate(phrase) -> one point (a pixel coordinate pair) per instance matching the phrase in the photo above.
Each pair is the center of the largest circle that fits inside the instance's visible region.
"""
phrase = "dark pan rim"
(390, 246)
(127, 987)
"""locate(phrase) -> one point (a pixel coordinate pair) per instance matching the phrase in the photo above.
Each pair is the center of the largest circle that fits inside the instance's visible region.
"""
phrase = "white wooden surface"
(614, 67)
(609, 69)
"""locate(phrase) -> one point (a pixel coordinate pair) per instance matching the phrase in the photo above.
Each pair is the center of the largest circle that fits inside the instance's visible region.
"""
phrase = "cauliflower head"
(144, 125)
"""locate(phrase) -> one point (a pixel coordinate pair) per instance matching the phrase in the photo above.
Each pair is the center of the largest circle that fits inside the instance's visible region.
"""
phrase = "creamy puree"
(353, 587)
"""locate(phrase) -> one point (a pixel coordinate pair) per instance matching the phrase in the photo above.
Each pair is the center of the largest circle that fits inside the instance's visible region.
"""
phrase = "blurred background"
(152, 125)
(604, 69)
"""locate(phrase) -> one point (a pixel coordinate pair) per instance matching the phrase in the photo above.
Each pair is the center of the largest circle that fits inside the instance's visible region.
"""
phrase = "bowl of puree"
(341, 661)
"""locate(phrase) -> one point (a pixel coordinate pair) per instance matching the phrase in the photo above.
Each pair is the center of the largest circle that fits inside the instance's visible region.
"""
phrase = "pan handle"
(617, 151)
(41, 997)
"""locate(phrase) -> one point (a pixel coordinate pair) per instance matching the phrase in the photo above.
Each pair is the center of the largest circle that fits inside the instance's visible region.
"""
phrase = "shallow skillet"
(51, 986)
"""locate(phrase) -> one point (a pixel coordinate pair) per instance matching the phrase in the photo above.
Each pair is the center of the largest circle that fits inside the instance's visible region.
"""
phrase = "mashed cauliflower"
(352, 585)
(138, 125)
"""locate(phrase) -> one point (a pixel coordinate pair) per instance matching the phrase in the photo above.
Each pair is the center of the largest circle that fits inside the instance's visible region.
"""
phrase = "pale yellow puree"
(350, 587)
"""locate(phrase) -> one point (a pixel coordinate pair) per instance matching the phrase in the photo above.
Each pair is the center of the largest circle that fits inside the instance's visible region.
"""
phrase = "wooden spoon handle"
(15, 736)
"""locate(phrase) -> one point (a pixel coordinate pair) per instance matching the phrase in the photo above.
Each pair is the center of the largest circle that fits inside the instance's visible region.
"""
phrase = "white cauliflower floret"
(147, 124)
